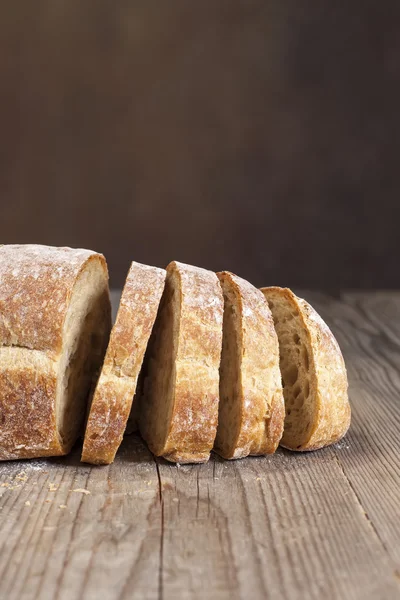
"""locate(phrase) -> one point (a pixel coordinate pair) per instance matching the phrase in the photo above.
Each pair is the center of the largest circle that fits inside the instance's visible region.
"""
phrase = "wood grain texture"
(368, 330)
(71, 544)
(323, 524)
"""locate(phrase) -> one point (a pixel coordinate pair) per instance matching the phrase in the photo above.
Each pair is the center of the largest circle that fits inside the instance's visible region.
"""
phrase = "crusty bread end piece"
(179, 405)
(112, 400)
(251, 407)
(55, 319)
(313, 372)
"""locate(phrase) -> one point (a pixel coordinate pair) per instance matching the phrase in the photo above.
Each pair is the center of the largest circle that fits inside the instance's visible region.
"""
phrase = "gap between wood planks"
(358, 500)
(161, 565)
(367, 327)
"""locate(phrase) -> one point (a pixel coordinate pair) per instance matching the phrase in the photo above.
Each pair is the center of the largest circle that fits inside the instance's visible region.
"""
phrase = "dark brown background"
(257, 136)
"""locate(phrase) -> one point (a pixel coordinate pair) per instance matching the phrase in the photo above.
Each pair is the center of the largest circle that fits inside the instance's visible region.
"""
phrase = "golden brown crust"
(328, 378)
(115, 389)
(36, 284)
(27, 414)
(193, 416)
(259, 387)
(334, 412)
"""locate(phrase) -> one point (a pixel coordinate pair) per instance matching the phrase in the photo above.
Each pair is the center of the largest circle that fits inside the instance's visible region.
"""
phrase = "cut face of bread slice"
(112, 400)
(54, 326)
(251, 406)
(179, 405)
(313, 373)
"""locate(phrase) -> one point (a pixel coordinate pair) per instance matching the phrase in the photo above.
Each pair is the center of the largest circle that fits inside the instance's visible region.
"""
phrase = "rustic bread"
(251, 406)
(313, 373)
(55, 319)
(179, 406)
(112, 400)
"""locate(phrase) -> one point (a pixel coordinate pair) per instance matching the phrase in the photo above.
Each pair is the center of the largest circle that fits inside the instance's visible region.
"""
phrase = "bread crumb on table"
(62, 506)
(9, 486)
(81, 491)
(27, 503)
(53, 487)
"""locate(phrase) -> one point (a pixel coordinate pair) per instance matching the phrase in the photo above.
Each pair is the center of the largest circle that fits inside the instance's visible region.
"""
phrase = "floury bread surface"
(179, 405)
(251, 407)
(112, 400)
(54, 327)
(313, 373)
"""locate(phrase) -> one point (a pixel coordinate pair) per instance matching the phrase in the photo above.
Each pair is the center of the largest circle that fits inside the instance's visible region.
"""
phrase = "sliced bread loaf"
(112, 400)
(179, 406)
(251, 407)
(55, 319)
(313, 373)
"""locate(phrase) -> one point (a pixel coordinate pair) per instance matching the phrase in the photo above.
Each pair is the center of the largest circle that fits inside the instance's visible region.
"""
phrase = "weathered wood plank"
(285, 526)
(71, 544)
(367, 327)
(323, 524)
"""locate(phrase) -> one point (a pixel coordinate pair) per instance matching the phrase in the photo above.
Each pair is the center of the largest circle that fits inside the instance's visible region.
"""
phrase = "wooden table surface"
(317, 525)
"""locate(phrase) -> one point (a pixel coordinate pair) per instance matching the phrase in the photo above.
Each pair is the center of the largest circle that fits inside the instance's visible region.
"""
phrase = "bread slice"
(313, 373)
(251, 406)
(55, 320)
(179, 406)
(112, 400)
